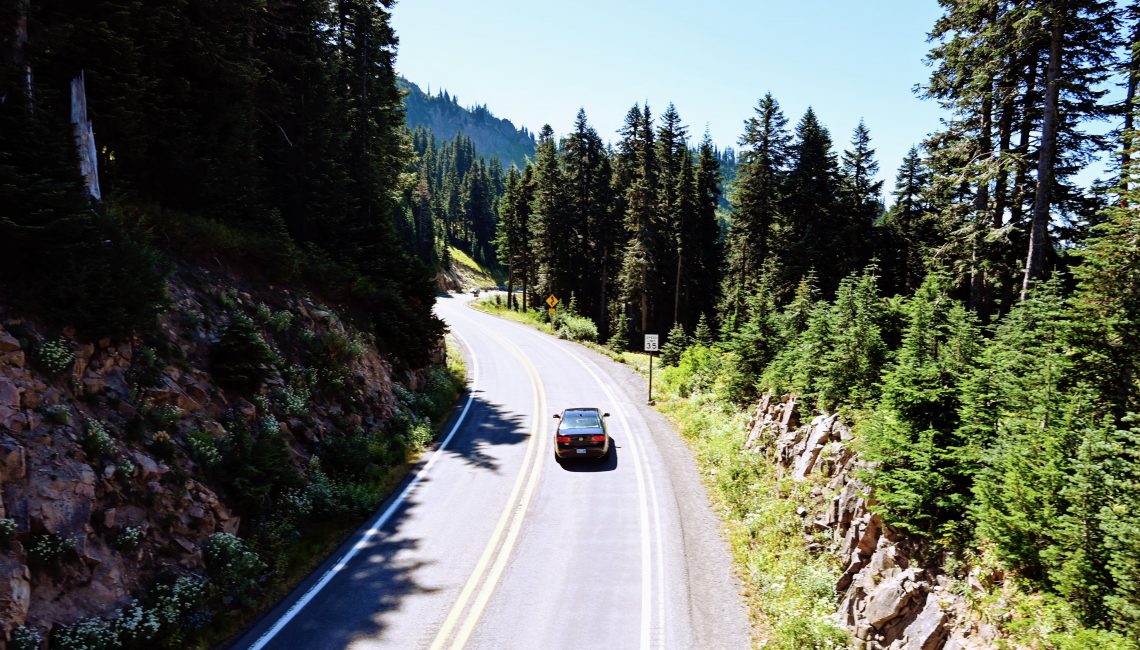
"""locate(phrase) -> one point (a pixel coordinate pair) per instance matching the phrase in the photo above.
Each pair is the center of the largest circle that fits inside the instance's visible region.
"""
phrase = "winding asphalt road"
(490, 543)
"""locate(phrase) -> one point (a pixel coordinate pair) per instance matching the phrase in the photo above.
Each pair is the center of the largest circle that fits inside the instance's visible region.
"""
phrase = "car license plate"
(581, 451)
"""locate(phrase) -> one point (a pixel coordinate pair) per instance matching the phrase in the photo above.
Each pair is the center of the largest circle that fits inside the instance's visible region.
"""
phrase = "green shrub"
(332, 349)
(162, 446)
(147, 369)
(440, 390)
(7, 530)
(262, 313)
(280, 321)
(128, 539)
(675, 344)
(164, 416)
(233, 568)
(48, 549)
(54, 357)
(26, 638)
(254, 469)
(97, 442)
(124, 468)
(85, 634)
(619, 341)
(241, 360)
(575, 328)
(57, 413)
(696, 372)
(203, 449)
(174, 612)
(346, 455)
(294, 400)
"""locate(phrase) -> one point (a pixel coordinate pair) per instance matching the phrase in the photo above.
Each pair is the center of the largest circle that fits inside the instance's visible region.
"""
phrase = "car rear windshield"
(581, 420)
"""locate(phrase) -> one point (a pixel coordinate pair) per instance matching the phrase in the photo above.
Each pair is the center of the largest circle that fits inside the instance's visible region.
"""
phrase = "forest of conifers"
(983, 330)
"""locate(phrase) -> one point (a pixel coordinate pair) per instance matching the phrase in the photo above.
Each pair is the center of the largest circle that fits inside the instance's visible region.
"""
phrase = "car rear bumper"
(569, 450)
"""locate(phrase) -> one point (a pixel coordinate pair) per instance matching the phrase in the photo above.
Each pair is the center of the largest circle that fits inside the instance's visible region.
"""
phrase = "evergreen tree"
(675, 343)
(756, 201)
(702, 237)
(813, 229)
(675, 205)
(908, 236)
(555, 241)
(640, 278)
(860, 197)
(912, 434)
(1011, 407)
(586, 167)
(703, 335)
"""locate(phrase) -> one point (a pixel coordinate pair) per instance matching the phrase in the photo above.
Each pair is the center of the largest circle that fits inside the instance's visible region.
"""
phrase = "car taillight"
(598, 438)
(562, 438)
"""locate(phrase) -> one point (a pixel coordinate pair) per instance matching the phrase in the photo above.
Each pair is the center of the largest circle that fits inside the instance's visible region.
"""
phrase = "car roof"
(582, 409)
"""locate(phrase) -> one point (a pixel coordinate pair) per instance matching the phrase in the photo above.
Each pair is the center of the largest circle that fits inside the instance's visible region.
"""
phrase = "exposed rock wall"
(51, 484)
(885, 598)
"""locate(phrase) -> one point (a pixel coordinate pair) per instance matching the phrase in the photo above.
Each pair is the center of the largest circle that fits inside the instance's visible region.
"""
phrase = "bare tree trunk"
(981, 204)
(603, 322)
(1005, 136)
(677, 287)
(644, 311)
(1021, 180)
(1039, 229)
(1130, 109)
(510, 285)
(85, 137)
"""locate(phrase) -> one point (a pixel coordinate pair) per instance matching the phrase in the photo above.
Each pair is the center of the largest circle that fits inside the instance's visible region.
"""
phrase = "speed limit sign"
(650, 342)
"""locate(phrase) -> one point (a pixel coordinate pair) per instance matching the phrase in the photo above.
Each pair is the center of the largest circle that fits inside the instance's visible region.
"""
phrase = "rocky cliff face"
(886, 597)
(102, 463)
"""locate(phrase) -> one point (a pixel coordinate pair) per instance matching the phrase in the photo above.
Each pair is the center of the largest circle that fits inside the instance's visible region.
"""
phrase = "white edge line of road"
(642, 475)
(381, 520)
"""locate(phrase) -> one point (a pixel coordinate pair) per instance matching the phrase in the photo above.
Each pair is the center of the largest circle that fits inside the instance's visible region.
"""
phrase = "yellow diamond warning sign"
(551, 301)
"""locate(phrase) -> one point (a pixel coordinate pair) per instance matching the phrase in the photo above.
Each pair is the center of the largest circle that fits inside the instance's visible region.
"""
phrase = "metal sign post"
(650, 348)
(551, 303)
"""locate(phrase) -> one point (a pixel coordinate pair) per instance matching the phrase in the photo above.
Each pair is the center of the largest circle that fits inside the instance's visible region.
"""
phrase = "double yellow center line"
(481, 584)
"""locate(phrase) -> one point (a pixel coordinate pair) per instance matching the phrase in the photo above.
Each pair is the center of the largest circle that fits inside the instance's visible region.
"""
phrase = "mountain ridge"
(494, 137)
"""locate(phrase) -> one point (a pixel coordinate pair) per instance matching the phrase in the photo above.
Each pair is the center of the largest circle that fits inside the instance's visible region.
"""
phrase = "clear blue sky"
(536, 62)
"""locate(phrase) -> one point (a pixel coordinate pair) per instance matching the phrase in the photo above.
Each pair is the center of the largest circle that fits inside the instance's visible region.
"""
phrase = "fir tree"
(756, 201)
(812, 229)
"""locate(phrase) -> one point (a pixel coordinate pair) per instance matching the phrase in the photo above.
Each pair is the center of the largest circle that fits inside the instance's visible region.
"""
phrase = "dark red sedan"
(581, 434)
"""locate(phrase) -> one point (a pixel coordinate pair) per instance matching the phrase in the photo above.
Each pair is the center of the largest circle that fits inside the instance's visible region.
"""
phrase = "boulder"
(61, 499)
(149, 469)
(16, 358)
(11, 417)
(790, 416)
(8, 343)
(15, 594)
(12, 461)
(816, 440)
(894, 597)
(928, 631)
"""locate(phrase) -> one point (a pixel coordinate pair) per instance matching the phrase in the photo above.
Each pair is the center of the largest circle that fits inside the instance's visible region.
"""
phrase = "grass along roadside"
(472, 273)
(790, 592)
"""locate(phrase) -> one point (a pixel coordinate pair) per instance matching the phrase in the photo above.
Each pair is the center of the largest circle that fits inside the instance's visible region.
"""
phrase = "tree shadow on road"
(386, 572)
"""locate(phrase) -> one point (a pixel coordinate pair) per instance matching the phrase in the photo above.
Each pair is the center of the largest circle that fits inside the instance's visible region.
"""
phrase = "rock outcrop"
(143, 479)
(885, 598)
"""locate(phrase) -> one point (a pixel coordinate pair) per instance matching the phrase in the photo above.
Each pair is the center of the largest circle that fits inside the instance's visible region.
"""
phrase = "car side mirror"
(557, 417)
(605, 415)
